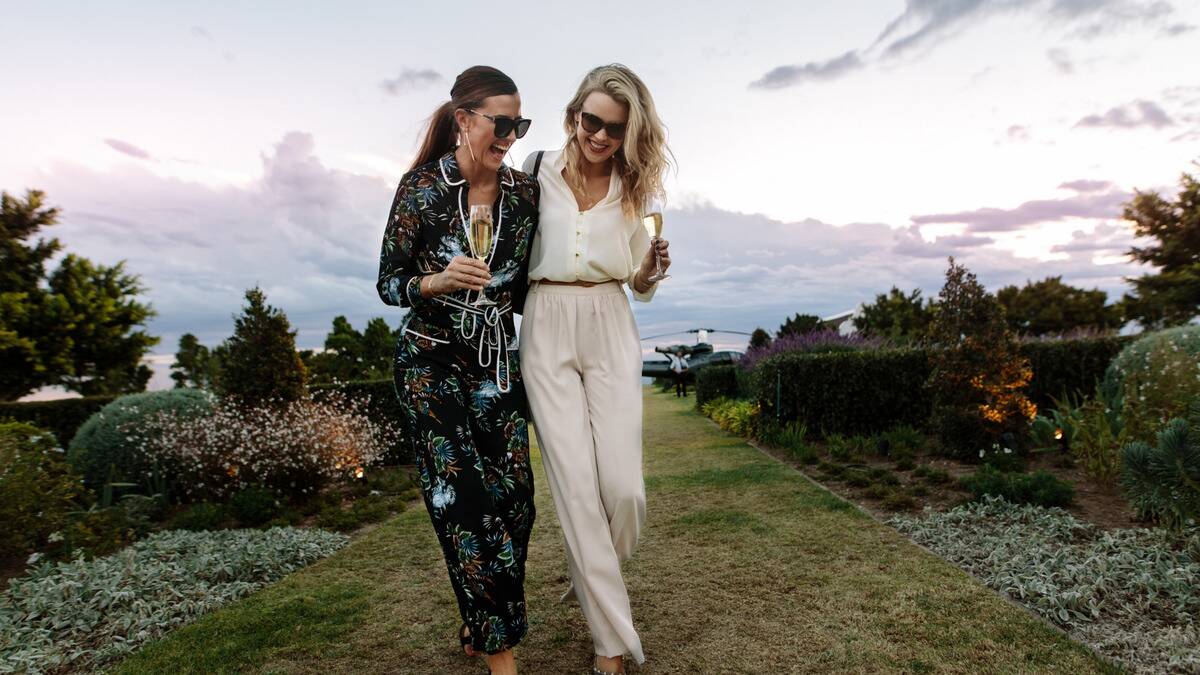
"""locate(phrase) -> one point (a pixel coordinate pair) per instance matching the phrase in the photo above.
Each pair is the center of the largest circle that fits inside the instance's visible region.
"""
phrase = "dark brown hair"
(470, 88)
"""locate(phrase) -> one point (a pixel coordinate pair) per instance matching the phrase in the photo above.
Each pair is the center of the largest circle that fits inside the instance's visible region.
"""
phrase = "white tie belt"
(487, 328)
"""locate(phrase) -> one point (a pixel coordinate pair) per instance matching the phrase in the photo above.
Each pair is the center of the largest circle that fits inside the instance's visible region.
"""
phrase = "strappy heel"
(464, 639)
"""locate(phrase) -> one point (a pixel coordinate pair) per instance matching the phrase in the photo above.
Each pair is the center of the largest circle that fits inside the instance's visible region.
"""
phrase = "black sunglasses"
(506, 125)
(593, 124)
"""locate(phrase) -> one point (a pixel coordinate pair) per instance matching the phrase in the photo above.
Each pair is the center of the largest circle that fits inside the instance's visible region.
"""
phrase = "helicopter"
(694, 356)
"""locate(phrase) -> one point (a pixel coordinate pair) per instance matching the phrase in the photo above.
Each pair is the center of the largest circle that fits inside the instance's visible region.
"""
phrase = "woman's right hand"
(462, 273)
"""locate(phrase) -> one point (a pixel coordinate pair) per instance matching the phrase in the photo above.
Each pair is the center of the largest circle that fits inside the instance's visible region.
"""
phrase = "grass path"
(744, 567)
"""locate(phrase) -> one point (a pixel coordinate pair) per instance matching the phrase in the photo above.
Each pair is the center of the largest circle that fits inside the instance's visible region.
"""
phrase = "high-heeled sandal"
(464, 639)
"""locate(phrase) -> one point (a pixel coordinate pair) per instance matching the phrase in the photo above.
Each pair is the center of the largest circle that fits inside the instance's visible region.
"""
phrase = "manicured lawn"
(745, 566)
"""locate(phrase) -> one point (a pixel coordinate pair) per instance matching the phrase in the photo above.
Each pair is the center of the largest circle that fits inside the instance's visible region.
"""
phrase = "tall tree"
(81, 326)
(259, 364)
(105, 317)
(896, 315)
(378, 349)
(799, 325)
(978, 376)
(1050, 307)
(1171, 295)
(193, 365)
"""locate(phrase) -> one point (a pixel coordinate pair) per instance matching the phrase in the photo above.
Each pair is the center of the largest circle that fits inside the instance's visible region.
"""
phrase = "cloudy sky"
(826, 150)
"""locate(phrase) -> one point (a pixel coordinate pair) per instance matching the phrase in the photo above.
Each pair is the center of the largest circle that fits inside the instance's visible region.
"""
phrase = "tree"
(378, 349)
(760, 339)
(1050, 307)
(259, 364)
(194, 365)
(799, 325)
(896, 315)
(978, 376)
(1170, 296)
(104, 315)
(79, 327)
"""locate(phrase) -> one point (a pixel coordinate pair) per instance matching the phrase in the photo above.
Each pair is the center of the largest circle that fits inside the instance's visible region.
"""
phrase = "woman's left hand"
(660, 245)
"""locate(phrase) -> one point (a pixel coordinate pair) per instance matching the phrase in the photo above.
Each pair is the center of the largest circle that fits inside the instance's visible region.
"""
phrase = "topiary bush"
(1162, 481)
(718, 381)
(38, 488)
(1154, 378)
(115, 435)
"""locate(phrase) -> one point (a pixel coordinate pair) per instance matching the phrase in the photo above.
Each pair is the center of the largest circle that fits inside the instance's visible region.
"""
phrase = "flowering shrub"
(293, 448)
(1154, 378)
(1134, 594)
(84, 614)
(813, 342)
(37, 487)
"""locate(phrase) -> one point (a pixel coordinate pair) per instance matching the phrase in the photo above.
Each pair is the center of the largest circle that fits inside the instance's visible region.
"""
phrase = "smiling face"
(480, 131)
(597, 146)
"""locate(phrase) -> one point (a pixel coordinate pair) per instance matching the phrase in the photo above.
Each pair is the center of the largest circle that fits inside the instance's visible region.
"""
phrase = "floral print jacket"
(428, 227)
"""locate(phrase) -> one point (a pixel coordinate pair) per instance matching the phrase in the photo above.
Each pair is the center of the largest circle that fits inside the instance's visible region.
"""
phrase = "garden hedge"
(713, 382)
(850, 392)
(874, 390)
(383, 404)
(1069, 366)
(63, 417)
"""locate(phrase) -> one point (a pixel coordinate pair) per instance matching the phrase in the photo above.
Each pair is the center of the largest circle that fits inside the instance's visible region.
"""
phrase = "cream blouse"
(596, 245)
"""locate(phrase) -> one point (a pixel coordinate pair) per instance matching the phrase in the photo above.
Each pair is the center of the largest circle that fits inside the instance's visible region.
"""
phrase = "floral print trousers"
(472, 447)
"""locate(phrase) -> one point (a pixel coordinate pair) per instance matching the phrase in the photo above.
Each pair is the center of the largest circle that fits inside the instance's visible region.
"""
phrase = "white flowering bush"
(1154, 379)
(83, 614)
(1133, 594)
(294, 448)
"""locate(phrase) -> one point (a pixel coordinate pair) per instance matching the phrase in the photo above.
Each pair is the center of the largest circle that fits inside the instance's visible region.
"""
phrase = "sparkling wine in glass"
(481, 242)
(653, 222)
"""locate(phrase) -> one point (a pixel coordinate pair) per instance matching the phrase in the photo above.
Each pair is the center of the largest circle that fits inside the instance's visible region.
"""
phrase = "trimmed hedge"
(1069, 366)
(871, 391)
(714, 382)
(62, 417)
(382, 403)
(862, 392)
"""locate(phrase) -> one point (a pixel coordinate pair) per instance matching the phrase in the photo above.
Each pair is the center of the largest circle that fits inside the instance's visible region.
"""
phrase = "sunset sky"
(826, 150)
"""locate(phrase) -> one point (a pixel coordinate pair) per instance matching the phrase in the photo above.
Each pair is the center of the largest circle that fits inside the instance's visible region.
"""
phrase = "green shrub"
(1068, 368)
(857, 477)
(883, 476)
(1097, 439)
(1040, 488)
(738, 417)
(38, 488)
(717, 381)
(82, 615)
(1004, 460)
(115, 435)
(860, 392)
(370, 509)
(1153, 379)
(63, 416)
(918, 490)
(831, 470)
(898, 501)
(1163, 481)
(380, 402)
(932, 475)
(201, 516)
(254, 505)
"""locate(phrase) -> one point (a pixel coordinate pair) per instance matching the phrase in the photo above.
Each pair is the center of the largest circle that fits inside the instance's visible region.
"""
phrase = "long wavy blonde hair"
(643, 157)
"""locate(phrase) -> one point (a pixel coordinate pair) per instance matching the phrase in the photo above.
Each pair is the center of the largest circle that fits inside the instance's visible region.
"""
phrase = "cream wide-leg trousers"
(581, 363)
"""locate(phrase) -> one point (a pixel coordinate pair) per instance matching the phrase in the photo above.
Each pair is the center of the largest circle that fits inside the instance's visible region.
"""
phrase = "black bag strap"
(537, 162)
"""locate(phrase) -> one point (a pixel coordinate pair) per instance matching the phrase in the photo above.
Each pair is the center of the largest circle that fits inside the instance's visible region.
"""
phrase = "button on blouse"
(597, 245)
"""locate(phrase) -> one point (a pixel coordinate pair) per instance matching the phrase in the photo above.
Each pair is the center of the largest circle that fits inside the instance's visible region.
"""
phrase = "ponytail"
(470, 88)
(439, 137)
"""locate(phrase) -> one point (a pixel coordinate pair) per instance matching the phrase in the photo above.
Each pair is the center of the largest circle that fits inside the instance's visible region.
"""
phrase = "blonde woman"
(579, 345)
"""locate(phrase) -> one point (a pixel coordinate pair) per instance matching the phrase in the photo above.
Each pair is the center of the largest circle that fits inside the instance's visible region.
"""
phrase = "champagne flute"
(653, 222)
(481, 242)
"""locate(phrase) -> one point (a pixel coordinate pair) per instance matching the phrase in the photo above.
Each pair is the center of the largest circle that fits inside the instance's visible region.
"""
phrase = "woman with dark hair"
(456, 371)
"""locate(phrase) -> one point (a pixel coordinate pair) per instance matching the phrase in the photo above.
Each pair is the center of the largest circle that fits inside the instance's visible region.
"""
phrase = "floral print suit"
(461, 392)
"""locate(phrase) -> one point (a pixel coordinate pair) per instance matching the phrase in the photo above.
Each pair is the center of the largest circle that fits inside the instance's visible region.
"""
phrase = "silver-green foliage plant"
(83, 614)
(1132, 594)
(1162, 481)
